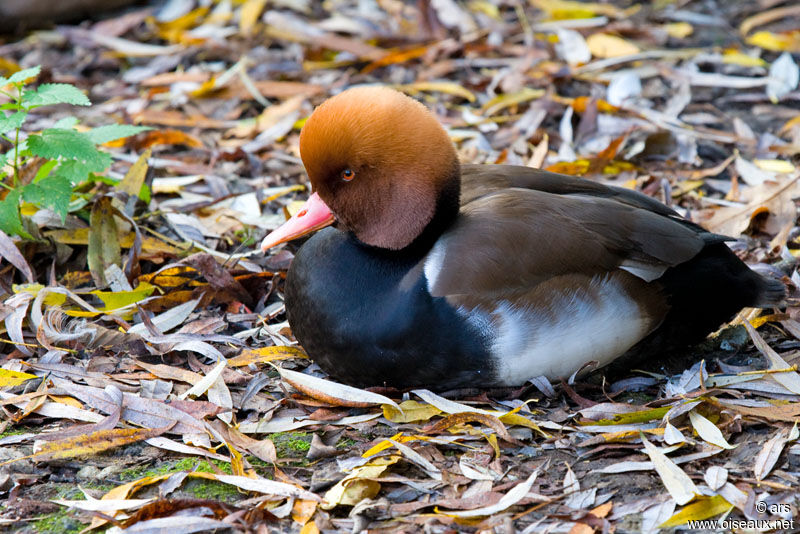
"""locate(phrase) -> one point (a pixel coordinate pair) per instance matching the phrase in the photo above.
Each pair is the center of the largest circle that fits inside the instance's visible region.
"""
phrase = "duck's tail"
(771, 293)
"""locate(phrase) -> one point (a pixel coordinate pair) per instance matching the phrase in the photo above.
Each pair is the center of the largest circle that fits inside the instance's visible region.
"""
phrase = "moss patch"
(61, 522)
(345, 443)
(15, 431)
(211, 489)
(184, 464)
(291, 444)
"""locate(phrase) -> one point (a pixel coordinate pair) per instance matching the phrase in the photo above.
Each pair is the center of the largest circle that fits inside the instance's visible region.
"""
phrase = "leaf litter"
(141, 331)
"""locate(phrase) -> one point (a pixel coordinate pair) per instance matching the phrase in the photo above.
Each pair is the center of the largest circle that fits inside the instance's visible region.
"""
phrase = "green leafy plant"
(61, 157)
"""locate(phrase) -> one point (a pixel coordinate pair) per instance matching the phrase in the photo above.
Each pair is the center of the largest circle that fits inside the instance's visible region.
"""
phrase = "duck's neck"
(446, 211)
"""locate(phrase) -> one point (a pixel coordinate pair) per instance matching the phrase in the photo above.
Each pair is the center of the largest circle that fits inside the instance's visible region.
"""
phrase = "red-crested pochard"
(445, 275)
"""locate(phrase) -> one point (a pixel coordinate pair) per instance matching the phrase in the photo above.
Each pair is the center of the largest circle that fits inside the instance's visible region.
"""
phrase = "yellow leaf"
(777, 42)
(8, 67)
(569, 9)
(95, 442)
(237, 462)
(678, 30)
(115, 300)
(266, 354)
(791, 123)
(573, 168)
(123, 492)
(172, 29)
(411, 411)
(640, 416)
(703, 508)
(580, 103)
(13, 378)
(310, 528)
(52, 299)
(134, 178)
(512, 418)
(774, 165)
(248, 15)
(484, 7)
(604, 45)
(283, 191)
(303, 510)
(358, 484)
(80, 236)
(735, 57)
(450, 88)
(492, 439)
(504, 101)
(64, 399)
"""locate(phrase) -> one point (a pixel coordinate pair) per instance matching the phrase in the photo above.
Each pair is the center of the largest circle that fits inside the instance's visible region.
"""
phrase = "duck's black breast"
(367, 319)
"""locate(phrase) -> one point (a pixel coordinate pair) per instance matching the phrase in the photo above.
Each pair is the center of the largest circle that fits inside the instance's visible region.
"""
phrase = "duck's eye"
(348, 175)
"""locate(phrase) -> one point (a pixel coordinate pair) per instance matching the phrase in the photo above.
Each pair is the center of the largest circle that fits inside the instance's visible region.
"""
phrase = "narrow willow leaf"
(709, 431)
(104, 248)
(704, 508)
(96, 442)
(677, 482)
(333, 392)
(509, 499)
(10, 378)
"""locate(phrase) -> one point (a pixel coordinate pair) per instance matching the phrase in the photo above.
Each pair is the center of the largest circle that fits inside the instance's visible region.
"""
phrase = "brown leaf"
(471, 417)
(99, 441)
(104, 246)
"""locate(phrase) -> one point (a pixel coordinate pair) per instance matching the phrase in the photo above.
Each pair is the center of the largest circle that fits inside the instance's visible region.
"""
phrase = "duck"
(426, 272)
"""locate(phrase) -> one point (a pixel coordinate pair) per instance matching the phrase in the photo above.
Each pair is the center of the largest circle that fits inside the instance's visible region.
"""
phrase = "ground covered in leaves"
(149, 380)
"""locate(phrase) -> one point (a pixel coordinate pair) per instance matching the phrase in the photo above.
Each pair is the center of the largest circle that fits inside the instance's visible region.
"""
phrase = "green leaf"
(12, 122)
(21, 76)
(53, 192)
(77, 172)
(45, 170)
(55, 93)
(70, 144)
(112, 132)
(10, 221)
(67, 123)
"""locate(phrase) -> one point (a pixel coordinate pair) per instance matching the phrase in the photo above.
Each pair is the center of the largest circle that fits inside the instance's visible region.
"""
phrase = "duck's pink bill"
(314, 214)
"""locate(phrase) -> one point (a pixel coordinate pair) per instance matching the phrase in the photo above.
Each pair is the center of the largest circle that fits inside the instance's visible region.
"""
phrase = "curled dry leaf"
(516, 494)
(716, 477)
(333, 392)
(770, 453)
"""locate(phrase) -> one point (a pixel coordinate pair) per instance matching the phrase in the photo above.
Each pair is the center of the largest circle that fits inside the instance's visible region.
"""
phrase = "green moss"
(211, 489)
(291, 444)
(345, 443)
(105, 488)
(184, 464)
(71, 493)
(61, 522)
(15, 431)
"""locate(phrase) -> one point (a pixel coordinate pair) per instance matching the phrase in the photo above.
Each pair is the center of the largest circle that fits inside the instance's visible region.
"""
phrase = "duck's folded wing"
(518, 238)
(482, 180)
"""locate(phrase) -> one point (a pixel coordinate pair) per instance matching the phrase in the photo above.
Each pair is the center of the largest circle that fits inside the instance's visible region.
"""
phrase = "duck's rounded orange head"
(379, 163)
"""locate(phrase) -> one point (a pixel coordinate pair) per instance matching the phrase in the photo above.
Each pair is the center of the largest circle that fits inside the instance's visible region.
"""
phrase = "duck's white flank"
(434, 261)
(599, 322)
